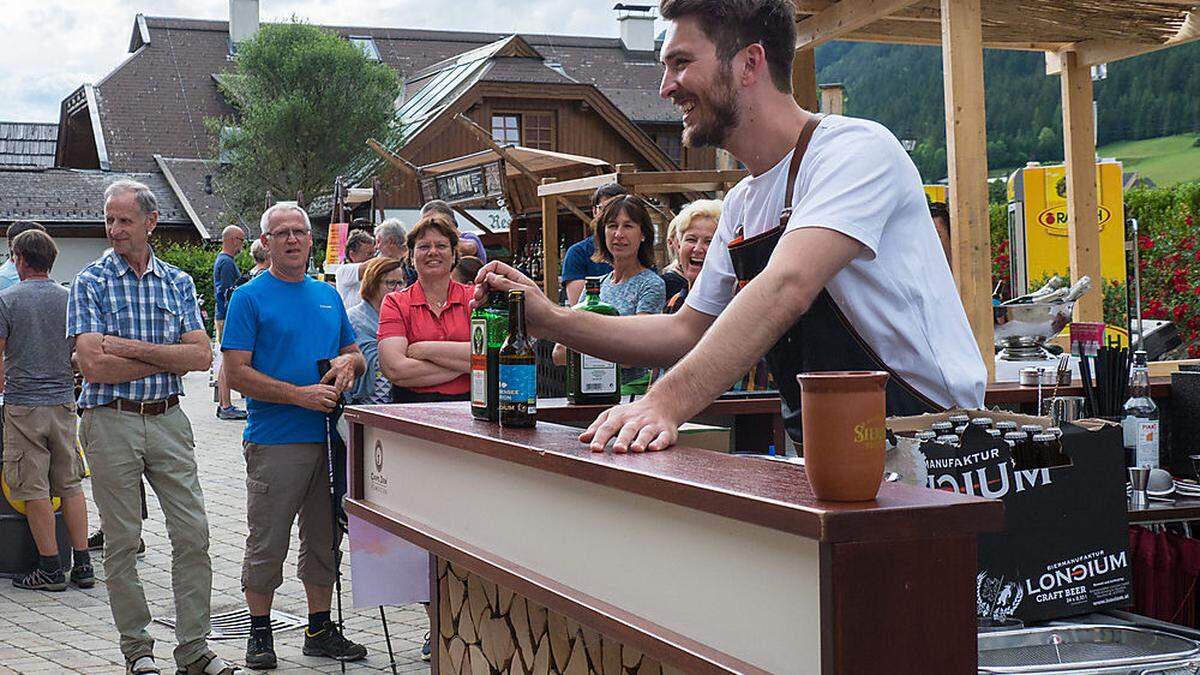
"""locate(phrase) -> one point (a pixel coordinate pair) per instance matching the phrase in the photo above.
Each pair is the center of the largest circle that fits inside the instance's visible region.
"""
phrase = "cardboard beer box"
(1064, 548)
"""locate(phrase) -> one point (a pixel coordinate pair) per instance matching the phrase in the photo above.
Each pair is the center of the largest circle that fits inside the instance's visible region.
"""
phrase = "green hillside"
(1166, 161)
(1147, 97)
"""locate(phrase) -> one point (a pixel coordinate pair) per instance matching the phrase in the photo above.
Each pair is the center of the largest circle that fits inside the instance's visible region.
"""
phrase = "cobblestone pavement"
(73, 631)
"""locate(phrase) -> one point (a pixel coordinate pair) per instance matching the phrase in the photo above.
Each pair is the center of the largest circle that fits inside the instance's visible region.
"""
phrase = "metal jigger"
(1139, 478)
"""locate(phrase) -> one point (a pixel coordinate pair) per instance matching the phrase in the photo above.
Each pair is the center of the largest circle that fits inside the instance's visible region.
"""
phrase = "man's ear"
(753, 64)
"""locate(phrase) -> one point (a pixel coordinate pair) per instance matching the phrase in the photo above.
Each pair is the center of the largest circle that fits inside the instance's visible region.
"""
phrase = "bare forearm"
(640, 340)
(109, 369)
(181, 356)
(728, 351)
(455, 356)
(258, 386)
(418, 373)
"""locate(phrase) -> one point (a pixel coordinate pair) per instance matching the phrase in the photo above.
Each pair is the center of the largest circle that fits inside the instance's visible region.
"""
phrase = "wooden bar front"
(551, 558)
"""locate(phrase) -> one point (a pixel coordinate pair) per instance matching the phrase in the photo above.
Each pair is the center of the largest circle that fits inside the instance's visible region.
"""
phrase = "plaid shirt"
(108, 298)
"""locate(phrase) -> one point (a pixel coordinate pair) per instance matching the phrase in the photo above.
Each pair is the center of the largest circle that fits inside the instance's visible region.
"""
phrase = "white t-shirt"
(898, 295)
(348, 284)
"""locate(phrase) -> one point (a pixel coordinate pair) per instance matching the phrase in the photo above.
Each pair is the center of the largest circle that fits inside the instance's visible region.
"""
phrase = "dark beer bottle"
(518, 369)
(489, 327)
(589, 379)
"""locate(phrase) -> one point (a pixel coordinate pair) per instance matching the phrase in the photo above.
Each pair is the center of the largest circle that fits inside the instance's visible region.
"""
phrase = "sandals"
(142, 665)
(209, 664)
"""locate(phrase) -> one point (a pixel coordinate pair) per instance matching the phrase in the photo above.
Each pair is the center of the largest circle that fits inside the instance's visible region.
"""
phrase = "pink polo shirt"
(406, 314)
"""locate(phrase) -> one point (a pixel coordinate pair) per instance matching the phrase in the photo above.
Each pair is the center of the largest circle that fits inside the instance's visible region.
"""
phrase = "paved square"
(72, 631)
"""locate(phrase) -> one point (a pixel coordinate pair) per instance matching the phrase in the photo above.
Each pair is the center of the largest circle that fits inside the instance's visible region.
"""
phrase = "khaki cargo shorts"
(40, 456)
(283, 482)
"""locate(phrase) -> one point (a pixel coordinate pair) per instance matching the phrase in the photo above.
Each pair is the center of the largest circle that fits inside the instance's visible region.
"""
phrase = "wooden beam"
(966, 158)
(474, 221)
(842, 18)
(1094, 52)
(483, 135)
(871, 34)
(394, 159)
(550, 244)
(804, 79)
(577, 186)
(1083, 221)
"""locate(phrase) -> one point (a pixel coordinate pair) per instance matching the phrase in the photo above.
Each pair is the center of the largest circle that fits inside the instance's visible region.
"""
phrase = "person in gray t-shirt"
(37, 353)
(40, 456)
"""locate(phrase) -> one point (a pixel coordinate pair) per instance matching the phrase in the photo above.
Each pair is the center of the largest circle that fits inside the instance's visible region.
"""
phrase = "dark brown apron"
(822, 339)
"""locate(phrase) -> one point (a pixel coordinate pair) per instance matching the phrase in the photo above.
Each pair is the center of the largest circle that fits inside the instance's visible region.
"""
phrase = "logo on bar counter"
(378, 480)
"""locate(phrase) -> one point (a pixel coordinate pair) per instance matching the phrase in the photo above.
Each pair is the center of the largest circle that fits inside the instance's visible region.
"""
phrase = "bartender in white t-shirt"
(825, 257)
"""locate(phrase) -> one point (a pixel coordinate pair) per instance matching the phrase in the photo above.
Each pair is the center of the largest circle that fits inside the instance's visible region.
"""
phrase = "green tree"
(306, 100)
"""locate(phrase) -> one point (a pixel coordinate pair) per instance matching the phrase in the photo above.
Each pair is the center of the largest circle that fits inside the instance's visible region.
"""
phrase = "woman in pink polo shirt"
(424, 330)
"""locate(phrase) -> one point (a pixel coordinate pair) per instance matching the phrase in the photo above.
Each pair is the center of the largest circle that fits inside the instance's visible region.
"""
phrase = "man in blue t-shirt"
(577, 263)
(225, 276)
(281, 325)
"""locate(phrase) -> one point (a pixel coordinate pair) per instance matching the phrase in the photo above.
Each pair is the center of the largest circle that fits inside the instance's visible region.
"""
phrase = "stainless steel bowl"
(1086, 649)
(1022, 330)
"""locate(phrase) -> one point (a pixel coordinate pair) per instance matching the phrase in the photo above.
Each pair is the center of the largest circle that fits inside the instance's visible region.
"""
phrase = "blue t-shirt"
(287, 326)
(225, 276)
(578, 263)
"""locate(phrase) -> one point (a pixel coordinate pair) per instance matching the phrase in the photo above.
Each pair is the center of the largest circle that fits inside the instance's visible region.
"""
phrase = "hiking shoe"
(39, 580)
(83, 575)
(96, 541)
(426, 650)
(231, 413)
(260, 652)
(330, 642)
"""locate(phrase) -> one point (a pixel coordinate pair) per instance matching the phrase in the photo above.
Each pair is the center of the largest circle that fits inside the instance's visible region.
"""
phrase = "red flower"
(1187, 243)
(1194, 351)
(1145, 242)
(1179, 311)
(1194, 323)
(1182, 286)
(1187, 220)
(1155, 310)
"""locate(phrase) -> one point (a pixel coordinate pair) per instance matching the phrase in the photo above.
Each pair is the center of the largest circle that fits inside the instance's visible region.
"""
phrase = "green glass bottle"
(489, 327)
(589, 379)
(518, 369)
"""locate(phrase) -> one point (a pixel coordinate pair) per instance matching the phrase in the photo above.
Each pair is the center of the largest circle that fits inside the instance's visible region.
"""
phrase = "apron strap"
(794, 168)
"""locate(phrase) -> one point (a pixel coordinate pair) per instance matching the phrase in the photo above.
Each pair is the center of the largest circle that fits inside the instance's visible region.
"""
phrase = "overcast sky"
(53, 46)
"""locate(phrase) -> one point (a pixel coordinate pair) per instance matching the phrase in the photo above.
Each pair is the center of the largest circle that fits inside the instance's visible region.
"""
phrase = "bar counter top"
(756, 490)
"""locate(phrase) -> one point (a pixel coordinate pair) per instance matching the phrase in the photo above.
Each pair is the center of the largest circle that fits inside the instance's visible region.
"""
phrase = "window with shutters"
(538, 130)
(506, 129)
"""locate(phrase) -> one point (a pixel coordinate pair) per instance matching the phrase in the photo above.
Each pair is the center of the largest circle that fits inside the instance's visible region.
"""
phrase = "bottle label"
(518, 385)
(479, 363)
(597, 376)
(1147, 443)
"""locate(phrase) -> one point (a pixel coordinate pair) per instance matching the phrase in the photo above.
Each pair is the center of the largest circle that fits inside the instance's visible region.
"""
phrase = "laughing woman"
(625, 240)
(424, 329)
(688, 238)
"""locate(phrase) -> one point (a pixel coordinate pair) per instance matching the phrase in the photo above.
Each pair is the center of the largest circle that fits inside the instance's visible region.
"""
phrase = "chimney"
(637, 26)
(243, 21)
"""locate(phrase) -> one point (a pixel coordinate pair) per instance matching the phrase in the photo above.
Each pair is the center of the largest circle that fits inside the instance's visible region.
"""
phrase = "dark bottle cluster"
(503, 363)
(1032, 446)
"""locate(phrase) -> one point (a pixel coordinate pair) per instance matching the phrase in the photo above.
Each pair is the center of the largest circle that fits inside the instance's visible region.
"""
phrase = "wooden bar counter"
(550, 558)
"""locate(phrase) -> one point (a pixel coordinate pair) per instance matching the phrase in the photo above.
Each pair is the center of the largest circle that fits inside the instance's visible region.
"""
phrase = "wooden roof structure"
(1074, 34)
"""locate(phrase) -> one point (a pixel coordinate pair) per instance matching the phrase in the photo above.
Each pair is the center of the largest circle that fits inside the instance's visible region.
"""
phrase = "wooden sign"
(465, 185)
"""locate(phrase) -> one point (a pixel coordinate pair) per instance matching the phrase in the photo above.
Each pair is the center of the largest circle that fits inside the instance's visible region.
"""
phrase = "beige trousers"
(122, 447)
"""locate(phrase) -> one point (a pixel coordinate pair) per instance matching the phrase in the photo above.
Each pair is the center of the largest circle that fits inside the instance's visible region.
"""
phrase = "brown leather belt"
(144, 407)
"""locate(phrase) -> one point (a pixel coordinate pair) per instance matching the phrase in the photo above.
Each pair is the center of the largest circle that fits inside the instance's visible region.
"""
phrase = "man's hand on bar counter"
(634, 427)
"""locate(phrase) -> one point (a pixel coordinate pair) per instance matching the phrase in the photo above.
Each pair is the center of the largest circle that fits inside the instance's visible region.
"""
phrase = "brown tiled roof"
(156, 102)
(27, 144)
(192, 180)
(76, 197)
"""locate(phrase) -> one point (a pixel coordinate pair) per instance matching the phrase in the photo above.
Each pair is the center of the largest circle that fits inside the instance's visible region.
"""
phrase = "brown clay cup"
(842, 413)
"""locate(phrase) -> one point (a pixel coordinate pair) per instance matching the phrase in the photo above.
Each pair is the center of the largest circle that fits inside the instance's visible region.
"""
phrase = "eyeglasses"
(295, 233)
(426, 248)
(392, 284)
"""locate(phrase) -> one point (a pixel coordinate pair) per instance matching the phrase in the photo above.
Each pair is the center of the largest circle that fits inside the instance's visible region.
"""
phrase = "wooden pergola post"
(804, 79)
(966, 159)
(1083, 220)
(550, 243)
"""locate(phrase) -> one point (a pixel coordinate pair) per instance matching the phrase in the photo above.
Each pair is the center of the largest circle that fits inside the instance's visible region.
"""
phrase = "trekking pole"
(323, 367)
(388, 639)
